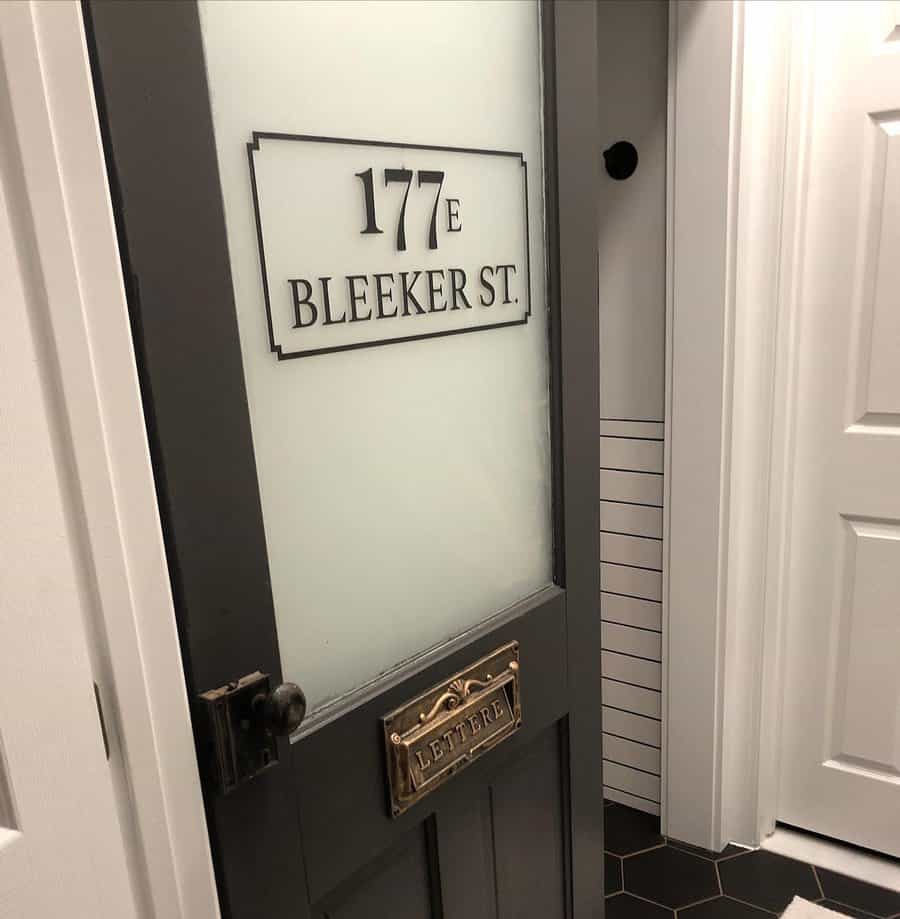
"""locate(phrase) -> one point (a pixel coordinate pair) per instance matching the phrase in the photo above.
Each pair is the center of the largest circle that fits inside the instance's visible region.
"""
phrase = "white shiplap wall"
(631, 457)
(633, 42)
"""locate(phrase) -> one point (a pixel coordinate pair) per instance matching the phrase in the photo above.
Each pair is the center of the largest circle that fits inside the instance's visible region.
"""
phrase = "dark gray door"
(314, 203)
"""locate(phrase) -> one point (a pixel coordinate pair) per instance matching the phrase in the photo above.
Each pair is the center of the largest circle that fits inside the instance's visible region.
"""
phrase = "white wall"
(632, 41)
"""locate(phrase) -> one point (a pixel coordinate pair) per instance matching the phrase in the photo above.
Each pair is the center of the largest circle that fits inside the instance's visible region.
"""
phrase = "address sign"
(365, 243)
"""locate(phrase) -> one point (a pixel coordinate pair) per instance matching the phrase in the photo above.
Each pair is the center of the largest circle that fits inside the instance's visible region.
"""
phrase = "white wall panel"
(615, 427)
(634, 582)
(632, 699)
(633, 44)
(625, 724)
(636, 487)
(634, 670)
(641, 614)
(631, 518)
(631, 453)
(629, 753)
(628, 640)
(631, 639)
(631, 780)
(631, 550)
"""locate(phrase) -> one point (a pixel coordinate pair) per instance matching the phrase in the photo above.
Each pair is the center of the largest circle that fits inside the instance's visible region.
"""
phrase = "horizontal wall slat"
(636, 487)
(629, 753)
(634, 582)
(614, 427)
(642, 614)
(631, 558)
(631, 669)
(628, 453)
(631, 518)
(632, 699)
(632, 781)
(631, 550)
(639, 804)
(645, 730)
(628, 640)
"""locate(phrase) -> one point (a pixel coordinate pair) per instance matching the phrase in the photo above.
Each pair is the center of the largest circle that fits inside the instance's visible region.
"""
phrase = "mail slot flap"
(443, 730)
(459, 735)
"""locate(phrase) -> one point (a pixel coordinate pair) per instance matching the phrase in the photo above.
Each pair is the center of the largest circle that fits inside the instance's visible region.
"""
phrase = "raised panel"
(865, 693)
(529, 846)
(632, 487)
(634, 519)
(631, 453)
(878, 287)
(401, 884)
(641, 614)
(631, 550)
(625, 724)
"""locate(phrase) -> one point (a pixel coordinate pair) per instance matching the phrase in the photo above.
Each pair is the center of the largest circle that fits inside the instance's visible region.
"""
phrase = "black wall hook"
(621, 160)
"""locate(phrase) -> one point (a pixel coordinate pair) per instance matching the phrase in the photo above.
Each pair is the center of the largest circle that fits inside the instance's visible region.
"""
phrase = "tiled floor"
(649, 877)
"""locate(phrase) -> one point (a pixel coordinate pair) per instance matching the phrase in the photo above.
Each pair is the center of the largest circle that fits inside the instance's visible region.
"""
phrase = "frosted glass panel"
(382, 179)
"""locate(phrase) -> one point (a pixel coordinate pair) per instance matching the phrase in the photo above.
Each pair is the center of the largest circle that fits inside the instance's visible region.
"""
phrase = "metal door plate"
(440, 732)
(236, 744)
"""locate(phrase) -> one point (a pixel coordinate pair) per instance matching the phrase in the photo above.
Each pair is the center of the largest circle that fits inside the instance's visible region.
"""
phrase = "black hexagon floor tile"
(627, 830)
(756, 884)
(623, 906)
(723, 908)
(670, 877)
(612, 874)
(845, 910)
(767, 880)
(879, 901)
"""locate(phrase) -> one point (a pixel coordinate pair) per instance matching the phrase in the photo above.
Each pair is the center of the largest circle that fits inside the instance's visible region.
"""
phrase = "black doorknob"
(621, 160)
(282, 710)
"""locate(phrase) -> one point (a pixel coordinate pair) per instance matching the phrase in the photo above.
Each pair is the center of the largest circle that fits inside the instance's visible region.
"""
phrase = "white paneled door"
(840, 766)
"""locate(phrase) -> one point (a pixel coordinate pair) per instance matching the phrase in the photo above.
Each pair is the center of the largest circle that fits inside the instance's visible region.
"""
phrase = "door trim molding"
(135, 650)
(796, 100)
(734, 233)
(704, 104)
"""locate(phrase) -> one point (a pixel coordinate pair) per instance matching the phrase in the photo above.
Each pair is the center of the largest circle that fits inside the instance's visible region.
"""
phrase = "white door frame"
(134, 632)
(739, 114)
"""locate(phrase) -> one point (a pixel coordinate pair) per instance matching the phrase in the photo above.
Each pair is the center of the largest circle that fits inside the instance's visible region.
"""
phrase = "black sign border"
(277, 349)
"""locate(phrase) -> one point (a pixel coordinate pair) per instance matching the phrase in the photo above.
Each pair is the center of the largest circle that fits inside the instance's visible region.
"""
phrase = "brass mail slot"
(441, 731)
